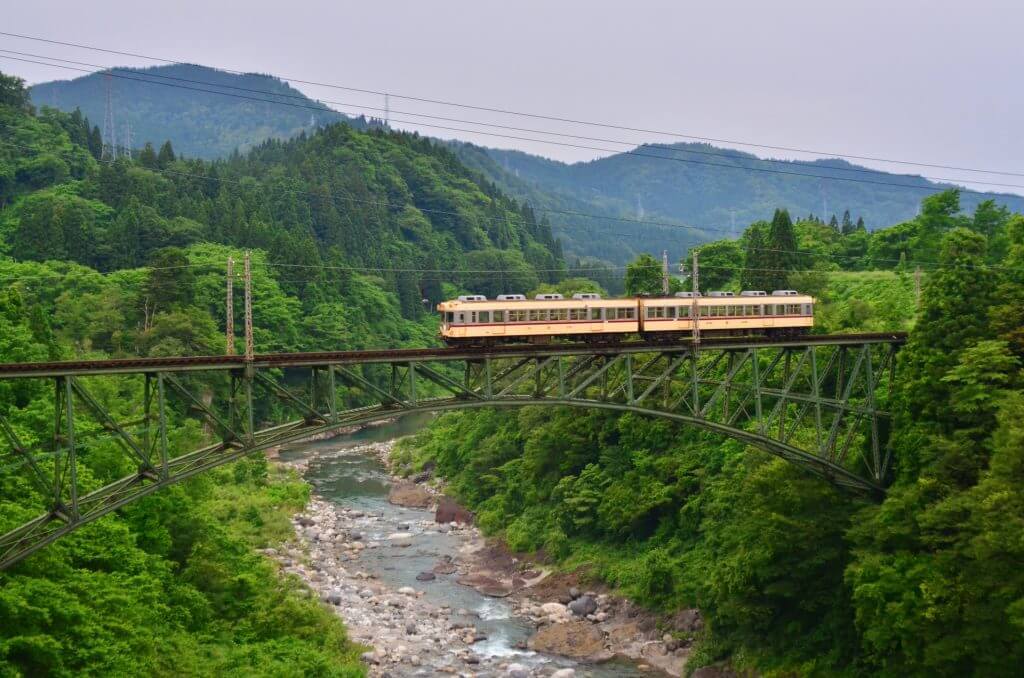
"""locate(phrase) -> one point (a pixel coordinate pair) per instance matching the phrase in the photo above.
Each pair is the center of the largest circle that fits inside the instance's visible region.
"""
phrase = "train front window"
(449, 317)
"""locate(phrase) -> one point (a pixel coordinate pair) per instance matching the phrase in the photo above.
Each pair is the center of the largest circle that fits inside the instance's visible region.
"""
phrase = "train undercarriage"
(615, 339)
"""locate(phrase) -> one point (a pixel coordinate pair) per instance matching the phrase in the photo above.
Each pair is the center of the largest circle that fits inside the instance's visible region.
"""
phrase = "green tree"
(166, 155)
(644, 276)
(756, 259)
(13, 93)
(721, 264)
(147, 156)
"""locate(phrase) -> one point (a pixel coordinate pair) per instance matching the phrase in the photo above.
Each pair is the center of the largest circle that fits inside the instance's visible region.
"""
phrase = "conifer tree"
(847, 227)
(147, 156)
(166, 155)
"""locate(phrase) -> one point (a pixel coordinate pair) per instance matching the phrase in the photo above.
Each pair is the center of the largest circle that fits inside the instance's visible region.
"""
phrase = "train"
(475, 320)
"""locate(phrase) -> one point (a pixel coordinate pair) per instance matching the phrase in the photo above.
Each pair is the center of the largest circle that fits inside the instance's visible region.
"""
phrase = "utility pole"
(229, 332)
(917, 286)
(109, 131)
(249, 349)
(664, 273)
(695, 312)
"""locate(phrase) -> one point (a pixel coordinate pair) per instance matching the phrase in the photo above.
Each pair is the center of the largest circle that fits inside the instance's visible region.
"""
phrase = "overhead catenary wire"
(219, 179)
(633, 153)
(538, 116)
(387, 110)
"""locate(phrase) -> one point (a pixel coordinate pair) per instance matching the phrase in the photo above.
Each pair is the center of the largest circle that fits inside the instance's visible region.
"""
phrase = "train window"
(462, 317)
(449, 317)
(499, 316)
(595, 314)
(559, 313)
(630, 313)
(655, 311)
(484, 316)
(537, 314)
(577, 314)
(683, 311)
(517, 316)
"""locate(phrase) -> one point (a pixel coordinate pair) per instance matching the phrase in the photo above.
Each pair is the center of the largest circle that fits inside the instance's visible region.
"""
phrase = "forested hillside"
(701, 186)
(205, 112)
(794, 577)
(349, 231)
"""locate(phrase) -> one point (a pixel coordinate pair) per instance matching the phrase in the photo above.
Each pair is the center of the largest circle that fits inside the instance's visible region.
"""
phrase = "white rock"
(564, 673)
(517, 671)
(407, 591)
(556, 609)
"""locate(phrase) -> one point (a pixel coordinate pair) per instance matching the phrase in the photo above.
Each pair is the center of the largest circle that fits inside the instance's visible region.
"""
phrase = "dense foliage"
(701, 186)
(793, 576)
(349, 232)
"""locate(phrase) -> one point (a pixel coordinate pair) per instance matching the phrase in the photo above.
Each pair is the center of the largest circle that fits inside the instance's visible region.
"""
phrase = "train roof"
(488, 304)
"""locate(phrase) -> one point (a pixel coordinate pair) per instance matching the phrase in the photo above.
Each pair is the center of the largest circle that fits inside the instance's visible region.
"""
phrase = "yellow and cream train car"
(475, 320)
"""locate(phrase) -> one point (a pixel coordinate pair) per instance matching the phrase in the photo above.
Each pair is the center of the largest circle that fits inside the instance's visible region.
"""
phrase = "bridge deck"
(224, 362)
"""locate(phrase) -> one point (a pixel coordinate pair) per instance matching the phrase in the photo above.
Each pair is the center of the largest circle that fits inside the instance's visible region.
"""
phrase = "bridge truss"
(818, 402)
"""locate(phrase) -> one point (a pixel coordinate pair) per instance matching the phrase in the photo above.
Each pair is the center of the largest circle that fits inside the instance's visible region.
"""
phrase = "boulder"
(686, 621)
(553, 608)
(410, 495)
(450, 512)
(517, 671)
(426, 576)
(564, 673)
(577, 639)
(583, 606)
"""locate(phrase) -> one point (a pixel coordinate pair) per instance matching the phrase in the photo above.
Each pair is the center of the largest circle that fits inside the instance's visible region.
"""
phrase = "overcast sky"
(933, 81)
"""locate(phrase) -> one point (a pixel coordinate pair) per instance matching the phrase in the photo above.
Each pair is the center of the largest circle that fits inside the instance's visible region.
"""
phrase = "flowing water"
(350, 478)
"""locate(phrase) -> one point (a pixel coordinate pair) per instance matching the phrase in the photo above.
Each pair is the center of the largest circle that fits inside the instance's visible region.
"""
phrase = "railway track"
(225, 362)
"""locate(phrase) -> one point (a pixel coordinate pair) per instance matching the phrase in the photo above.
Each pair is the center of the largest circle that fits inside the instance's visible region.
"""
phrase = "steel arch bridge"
(818, 402)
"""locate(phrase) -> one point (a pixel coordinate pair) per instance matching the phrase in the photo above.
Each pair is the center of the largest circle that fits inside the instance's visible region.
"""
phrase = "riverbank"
(590, 626)
(522, 619)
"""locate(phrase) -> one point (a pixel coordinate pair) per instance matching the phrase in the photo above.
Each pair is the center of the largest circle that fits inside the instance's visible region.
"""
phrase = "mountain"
(203, 111)
(592, 206)
(715, 191)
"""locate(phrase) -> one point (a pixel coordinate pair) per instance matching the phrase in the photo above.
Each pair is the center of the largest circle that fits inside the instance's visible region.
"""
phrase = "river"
(354, 481)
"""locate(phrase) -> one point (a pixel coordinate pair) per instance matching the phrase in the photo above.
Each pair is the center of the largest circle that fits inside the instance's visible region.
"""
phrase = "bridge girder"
(817, 405)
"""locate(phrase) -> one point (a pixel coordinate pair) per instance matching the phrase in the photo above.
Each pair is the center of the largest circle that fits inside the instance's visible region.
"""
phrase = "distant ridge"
(199, 124)
(713, 193)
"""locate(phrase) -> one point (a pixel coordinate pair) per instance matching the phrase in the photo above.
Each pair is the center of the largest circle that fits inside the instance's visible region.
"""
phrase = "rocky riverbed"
(435, 597)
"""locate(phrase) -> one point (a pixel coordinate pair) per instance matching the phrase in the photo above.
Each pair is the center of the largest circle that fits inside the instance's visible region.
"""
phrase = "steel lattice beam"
(757, 393)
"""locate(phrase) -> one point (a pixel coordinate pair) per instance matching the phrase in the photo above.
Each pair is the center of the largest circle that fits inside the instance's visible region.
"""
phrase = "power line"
(538, 116)
(929, 189)
(220, 179)
(387, 111)
(425, 210)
